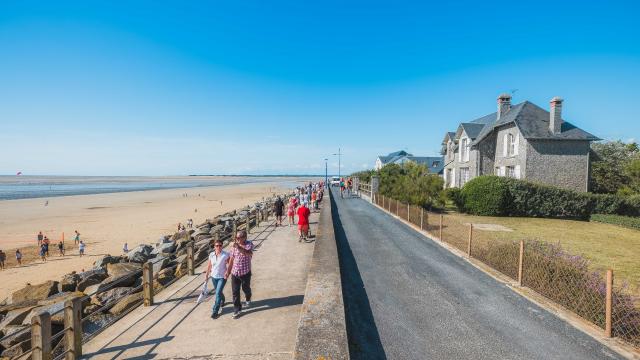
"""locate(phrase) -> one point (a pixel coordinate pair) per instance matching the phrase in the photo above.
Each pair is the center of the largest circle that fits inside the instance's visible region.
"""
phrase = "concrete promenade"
(406, 297)
(178, 328)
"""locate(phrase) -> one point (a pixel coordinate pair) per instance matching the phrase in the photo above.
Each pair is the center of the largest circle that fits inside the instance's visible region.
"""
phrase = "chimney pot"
(555, 115)
(504, 104)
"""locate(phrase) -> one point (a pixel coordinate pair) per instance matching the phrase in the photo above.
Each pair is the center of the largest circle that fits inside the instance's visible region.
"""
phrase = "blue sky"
(267, 87)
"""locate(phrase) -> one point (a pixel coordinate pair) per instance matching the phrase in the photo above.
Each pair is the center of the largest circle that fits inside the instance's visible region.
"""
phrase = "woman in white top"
(217, 269)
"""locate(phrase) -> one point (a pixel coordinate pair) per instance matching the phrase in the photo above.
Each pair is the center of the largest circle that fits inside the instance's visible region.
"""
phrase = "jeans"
(236, 282)
(218, 285)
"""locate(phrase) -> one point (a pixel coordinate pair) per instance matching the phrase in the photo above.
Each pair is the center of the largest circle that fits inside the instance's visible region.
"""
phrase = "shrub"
(486, 195)
(536, 200)
(625, 221)
(455, 195)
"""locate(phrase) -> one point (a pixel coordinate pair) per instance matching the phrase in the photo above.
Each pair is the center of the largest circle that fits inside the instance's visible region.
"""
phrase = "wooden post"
(41, 336)
(248, 224)
(383, 202)
(73, 325)
(421, 218)
(520, 262)
(441, 217)
(408, 212)
(190, 258)
(397, 206)
(470, 239)
(147, 283)
(608, 304)
(235, 230)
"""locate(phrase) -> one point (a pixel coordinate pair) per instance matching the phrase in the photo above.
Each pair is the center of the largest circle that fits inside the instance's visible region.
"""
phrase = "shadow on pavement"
(364, 340)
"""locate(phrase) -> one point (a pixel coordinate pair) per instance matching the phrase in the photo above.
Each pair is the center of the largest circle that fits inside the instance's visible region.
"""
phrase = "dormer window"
(464, 149)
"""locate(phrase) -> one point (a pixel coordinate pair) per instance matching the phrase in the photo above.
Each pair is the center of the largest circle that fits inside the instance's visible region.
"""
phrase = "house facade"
(434, 163)
(522, 141)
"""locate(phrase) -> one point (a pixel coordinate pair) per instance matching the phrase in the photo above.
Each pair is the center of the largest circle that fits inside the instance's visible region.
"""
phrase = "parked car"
(335, 181)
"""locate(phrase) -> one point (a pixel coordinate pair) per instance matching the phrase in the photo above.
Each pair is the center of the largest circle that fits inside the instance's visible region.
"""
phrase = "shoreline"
(106, 222)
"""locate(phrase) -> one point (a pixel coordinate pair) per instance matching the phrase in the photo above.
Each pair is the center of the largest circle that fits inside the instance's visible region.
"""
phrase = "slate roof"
(430, 161)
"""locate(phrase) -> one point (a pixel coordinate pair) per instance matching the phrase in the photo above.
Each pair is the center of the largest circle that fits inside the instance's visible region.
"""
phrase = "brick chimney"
(504, 104)
(555, 115)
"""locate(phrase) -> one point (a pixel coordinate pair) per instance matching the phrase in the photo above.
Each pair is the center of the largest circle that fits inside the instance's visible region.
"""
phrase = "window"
(497, 171)
(510, 146)
(435, 164)
(511, 171)
(464, 176)
(464, 149)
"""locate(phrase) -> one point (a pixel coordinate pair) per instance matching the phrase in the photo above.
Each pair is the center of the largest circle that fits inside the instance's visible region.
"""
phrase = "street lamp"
(326, 174)
(339, 156)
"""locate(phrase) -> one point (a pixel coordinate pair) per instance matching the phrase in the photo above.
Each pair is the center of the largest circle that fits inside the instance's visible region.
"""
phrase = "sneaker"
(236, 314)
(247, 304)
(215, 315)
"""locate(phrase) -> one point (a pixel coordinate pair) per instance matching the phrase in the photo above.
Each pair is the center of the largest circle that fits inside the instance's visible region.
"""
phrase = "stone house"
(434, 163)
(522, 141)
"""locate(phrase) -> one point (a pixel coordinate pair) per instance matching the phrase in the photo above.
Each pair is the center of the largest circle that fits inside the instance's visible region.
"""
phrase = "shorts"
(290, 213)
(304, 227)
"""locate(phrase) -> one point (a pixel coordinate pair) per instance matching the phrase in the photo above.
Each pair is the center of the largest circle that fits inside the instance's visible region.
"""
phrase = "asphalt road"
(408, 298)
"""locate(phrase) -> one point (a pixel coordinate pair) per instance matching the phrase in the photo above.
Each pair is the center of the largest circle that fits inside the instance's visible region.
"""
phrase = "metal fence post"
(41, 336)
(190, 258)
(147, 283)
(441, 217)
(73, 325)
(608, 304)
(470, 239)
(421, 218)
(520, 262)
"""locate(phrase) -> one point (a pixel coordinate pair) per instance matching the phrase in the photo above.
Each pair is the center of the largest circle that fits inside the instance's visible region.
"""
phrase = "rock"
(19, 348)
(182, 243)
(166, 275)
(126, 303)
(110, 283)
(159, 264)
(54, 306)
(164, 248)
(216, 229)
(165, 239)
(119, 270)
(10, 330)
(108, 296)
(35, 292)
(69, 282)
(181, 252)
(105, 260)
(6, 308)
(182, 269)
(90, 309)
(15, 317)
(180, 235)
(203, 231)
(140, 254)
(201, 255)
(90, 278)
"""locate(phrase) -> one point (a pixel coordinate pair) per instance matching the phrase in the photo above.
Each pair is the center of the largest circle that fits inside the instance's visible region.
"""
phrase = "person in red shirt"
(303, 221)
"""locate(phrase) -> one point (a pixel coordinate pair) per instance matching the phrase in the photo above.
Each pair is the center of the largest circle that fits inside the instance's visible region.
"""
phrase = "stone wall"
(559, 163)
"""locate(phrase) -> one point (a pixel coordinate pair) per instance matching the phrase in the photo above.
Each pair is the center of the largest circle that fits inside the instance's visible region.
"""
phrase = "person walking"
(125, 248)
(278, 209)
(3, 258)
(303, 221)
(240, 270)
(81, 248)
(43, 253)
(217, 270)
(40, 238)
(45, 244)
(61, 248)
(291, 211)
(76, 239)
(19, 257)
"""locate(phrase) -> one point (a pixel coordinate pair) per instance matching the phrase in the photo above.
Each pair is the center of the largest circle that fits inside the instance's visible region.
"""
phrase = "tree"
(609, 168)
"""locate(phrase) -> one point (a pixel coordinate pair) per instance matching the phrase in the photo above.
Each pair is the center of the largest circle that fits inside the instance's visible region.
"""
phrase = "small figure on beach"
(240, 270)
(43, 253)
(125, 248)
(45, 245)
(278, 209)
(76, 239)
(291, 208)
(40, 238)
(179, 227)
(19, 257)
(46, 203)
(61, 248)
(3, 258)
(81, 248)
(217, 270)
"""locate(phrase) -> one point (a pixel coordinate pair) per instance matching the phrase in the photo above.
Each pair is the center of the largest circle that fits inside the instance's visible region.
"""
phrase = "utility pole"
(326, 173)
(339, 158)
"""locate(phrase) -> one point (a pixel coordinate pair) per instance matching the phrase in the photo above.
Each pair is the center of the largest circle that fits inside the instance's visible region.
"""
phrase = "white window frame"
(510, 171)
(465, 147)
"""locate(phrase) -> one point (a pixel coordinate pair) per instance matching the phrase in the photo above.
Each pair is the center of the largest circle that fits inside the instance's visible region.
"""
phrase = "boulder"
(69, 282)
(35, 292)
(105, 260)
(216, 229)
(15, 317)
(165, 239)
(201, 255)
(180, 235)
(10, 330)
(182, 269)
(54, 306)
(90, 309)
(6, 308)
(159, 264)
(90, 278)
(119, 270)
(140, 254)
(164, 248)
(203, 231)
(182, 243)
(166, 275)
(126, 303)
(20, 345)
(108, 296)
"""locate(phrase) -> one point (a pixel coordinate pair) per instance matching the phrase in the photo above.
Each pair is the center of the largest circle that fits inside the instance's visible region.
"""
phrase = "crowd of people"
(44, 243)
(236, 263)
(346, 187)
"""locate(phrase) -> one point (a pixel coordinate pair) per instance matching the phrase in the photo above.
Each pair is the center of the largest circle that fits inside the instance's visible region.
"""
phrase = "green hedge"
(501, 196)
(625, 221)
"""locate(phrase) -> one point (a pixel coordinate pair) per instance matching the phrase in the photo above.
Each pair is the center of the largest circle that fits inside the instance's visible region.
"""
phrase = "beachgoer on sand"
(45, 244)
(125, 248)
(61, 248)
(240, 270)
(40, 238)
(19, 257)
(217, 270)
(81, 248)
(43, 253)
(76, 240)
(3, 258)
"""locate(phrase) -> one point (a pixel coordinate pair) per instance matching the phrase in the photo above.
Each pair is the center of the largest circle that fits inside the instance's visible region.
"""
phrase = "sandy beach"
(106, 222)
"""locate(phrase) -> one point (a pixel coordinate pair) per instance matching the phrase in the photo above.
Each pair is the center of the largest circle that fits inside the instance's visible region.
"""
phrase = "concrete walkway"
(408, 298)
(178, 328)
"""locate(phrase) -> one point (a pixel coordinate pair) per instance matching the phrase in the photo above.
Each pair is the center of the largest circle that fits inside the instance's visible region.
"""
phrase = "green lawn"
(607, 246)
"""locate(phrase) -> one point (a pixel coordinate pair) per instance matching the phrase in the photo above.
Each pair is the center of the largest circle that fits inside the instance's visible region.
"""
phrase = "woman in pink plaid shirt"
(240, 270)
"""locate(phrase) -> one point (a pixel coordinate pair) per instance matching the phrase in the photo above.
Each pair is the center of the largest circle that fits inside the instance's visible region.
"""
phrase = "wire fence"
(545, 268)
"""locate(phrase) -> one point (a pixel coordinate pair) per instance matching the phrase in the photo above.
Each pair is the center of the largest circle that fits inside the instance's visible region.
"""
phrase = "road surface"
(406, 297)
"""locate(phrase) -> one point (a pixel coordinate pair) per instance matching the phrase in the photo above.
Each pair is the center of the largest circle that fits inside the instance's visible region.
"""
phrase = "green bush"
(455, 196)
(486, 195)
(625, 221)
(536, 200)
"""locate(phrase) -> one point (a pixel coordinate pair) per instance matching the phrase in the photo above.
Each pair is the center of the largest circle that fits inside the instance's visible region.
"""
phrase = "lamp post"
(339, 156)
(326, 174)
